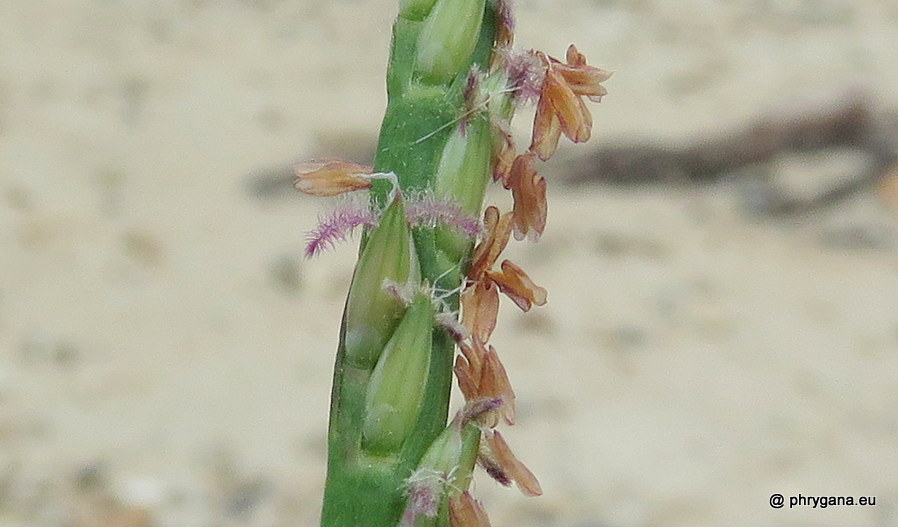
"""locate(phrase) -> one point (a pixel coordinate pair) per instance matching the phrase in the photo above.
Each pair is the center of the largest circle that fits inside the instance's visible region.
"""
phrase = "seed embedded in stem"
(372, 313)
(397, 384)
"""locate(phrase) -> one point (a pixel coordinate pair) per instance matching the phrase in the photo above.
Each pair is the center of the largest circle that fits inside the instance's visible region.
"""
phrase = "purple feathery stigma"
(428, 210)
(526, 73)
(505, 14)
(495, 471)
(336, 225)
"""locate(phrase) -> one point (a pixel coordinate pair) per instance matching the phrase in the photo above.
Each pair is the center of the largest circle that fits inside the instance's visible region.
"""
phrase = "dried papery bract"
(481, 375)
(503, 154)
(566, 107)
(561, 108)
(498, 232)
(465, 376)
(514, 282)
(529, 191)
(494, 383)
(331, 177)
(582, 78)
(497, 454)
(480, 308)
(546, 130)
(466, 511)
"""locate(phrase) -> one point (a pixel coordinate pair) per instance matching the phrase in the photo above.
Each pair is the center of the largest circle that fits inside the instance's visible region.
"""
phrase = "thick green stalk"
(374, 443)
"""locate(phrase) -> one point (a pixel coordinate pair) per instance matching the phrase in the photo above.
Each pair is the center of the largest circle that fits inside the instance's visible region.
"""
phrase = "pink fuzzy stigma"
(505, 14)
(430, 211)
(451, 324)
(425, 489)
(525, 75)
(478, 407)
(336, 225)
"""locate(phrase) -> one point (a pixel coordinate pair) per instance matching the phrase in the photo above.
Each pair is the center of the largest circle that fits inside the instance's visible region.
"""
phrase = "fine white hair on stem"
(392, 178)
(444, 274)
(442, 294)
(463, 116)
(448, 320)
(447, 317)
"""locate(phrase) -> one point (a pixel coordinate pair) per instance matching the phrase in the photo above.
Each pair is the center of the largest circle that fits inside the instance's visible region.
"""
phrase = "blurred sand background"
(166, 353)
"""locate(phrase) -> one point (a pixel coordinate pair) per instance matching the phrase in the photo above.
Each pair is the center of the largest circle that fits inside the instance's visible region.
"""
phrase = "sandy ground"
(166, 353)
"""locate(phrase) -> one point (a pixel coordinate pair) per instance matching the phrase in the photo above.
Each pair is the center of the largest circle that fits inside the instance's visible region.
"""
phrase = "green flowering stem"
(453, 86)
(393, 373)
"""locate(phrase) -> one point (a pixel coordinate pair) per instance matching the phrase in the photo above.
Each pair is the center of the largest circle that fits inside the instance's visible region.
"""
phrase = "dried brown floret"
(480, 308)
(330, 177)
(561, 108)
(528, 189)
(515, 283)
(465, 511)
(498, 232)
(496, 452)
